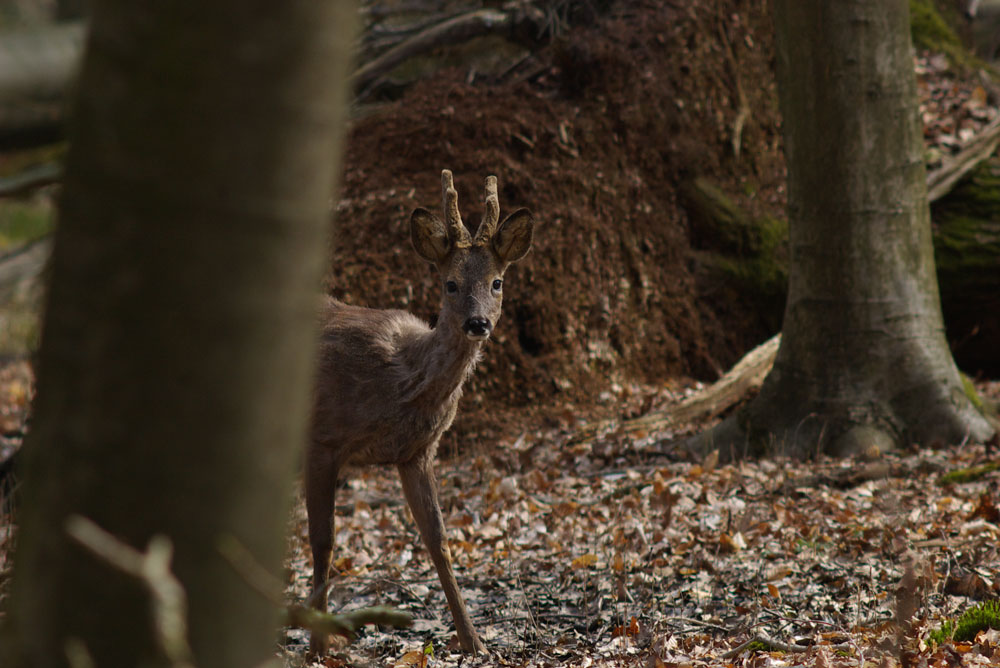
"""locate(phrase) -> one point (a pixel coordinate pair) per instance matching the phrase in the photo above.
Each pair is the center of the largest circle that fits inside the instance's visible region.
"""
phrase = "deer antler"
(452, 218)
(491, 216)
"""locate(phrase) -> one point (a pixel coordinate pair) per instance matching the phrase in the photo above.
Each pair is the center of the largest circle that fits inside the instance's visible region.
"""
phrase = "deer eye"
(451, 287)
(497, 284)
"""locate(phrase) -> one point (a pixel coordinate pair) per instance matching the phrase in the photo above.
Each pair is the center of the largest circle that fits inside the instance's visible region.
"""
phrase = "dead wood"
(457, 29)
(940, 181)
(735, 385)
(30, 179)
(776, 645)
(23, 263)
(37, 67)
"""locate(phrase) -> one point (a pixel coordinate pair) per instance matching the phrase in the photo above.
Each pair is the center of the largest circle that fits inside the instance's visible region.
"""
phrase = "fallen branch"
(344, 624)
(790, 648)
(30, 179)
(24, 263)
(942, 180)
(735, 384)
(460, 28)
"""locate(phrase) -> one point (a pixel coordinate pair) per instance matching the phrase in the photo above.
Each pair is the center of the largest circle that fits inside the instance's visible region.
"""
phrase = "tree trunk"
(177, 354)
(863, 359)
(750, 257)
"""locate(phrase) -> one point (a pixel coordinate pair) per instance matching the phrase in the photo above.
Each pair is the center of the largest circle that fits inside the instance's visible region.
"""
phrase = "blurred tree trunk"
(863, 359)
(177, 355)
(71, 10)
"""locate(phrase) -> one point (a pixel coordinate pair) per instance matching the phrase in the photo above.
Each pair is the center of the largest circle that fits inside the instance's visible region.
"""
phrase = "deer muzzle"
(477, 329)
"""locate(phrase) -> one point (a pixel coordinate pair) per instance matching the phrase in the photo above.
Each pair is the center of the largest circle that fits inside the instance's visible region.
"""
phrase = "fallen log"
(37, 66)
(940, 181)
(512, 21)
(737, 384)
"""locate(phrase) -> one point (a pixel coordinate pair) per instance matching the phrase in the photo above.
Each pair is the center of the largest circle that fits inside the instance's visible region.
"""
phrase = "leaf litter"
(609, 551)
(613, 552)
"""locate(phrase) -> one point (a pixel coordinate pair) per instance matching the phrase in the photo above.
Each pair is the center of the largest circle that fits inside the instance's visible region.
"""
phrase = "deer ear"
(513, 237)
(429, 236)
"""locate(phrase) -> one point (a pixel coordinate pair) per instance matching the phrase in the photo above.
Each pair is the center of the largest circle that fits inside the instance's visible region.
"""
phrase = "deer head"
(471, 268)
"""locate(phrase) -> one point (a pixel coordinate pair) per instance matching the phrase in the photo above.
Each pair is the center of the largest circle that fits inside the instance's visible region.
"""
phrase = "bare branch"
(458, 29)
(345, 624)
(942, 180)
(30, 179)
(152, 568)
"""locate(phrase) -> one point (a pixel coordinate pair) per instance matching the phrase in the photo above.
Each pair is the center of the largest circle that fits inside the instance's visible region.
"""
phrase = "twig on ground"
(305, 616)
(344, 624)
(697, 622)
(790, 648)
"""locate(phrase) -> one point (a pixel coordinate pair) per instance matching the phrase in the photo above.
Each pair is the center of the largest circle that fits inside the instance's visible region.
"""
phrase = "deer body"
(391, 384)
(388, 385)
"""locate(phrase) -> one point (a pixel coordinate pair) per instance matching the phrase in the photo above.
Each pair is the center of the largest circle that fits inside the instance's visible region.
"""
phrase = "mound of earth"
(597, 139)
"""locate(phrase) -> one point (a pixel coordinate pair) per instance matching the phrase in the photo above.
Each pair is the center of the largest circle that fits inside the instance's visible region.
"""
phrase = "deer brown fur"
(388, 384)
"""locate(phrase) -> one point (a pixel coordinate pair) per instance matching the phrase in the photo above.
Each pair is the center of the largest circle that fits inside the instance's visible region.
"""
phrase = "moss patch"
(749, 253)
(928, 28)
(23, 221)
(967, 238)
(959, 476)
(980, 617)
(931, 32)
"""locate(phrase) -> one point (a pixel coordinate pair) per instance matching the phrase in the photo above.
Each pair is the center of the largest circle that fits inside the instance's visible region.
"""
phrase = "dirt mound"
(596, 141)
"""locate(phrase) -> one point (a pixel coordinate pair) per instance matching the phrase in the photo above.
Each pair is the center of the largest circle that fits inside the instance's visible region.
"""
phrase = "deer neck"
(438, 364)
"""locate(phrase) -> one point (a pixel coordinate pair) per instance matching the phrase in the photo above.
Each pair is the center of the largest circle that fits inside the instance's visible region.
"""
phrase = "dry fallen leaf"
(415, 658)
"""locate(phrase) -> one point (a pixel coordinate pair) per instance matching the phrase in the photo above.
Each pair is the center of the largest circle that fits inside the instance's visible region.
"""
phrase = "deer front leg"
(420, 489)
(321, 484)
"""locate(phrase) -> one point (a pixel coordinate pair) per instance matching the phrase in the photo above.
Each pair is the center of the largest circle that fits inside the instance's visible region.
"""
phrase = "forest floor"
(613, 549)
(611, 552)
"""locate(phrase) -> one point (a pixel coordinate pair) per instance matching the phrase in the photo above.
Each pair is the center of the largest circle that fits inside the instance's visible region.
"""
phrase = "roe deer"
(388, 385)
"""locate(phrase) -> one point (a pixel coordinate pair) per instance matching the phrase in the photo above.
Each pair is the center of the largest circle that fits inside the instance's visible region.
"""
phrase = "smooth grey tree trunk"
(178, 348)
(863, 358)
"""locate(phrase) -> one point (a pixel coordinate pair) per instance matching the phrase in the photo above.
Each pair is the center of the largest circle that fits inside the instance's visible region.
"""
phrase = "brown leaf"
(710, 461)
(618, 562)
(415, 658)
(986, 509)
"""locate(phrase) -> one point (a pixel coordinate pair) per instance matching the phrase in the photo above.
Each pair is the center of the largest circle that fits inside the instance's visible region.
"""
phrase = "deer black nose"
(477, 328)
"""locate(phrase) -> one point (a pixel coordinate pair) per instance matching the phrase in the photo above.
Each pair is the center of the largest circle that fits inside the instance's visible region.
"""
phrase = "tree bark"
(863, 359)
(750, 255)
(177, 354)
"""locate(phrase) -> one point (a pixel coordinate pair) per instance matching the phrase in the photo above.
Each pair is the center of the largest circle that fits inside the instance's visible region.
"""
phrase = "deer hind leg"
(321, 484)
(420, 489)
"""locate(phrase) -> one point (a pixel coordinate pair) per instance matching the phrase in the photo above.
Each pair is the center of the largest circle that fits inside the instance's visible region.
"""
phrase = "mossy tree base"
(863, 359)
(752, 256)
(795, 416)
(967, 255)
